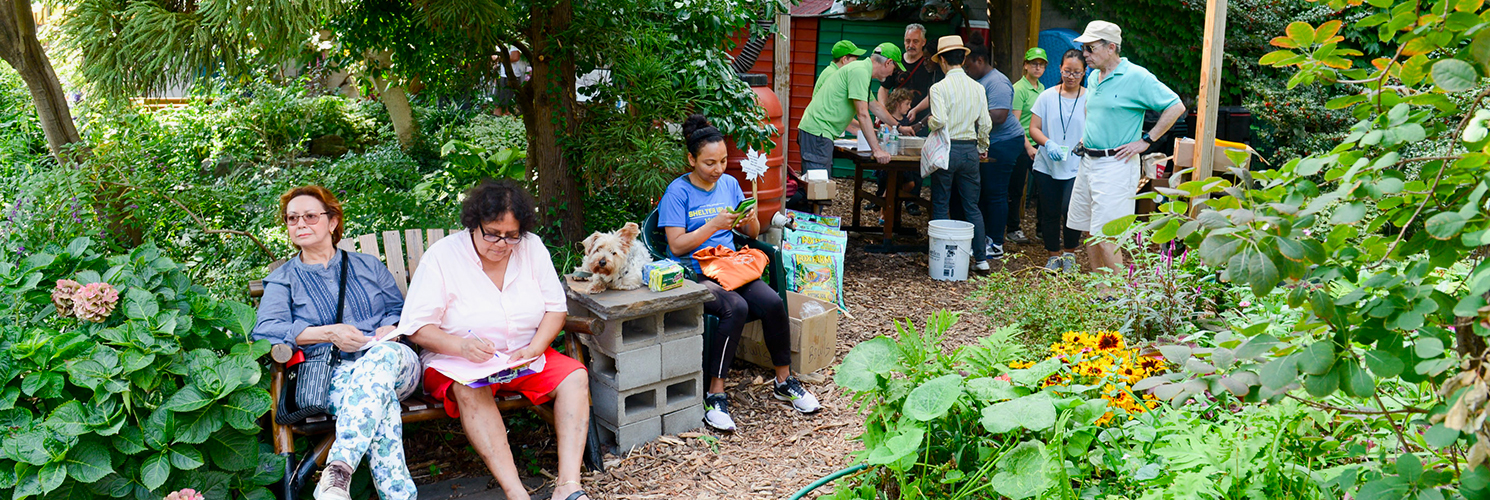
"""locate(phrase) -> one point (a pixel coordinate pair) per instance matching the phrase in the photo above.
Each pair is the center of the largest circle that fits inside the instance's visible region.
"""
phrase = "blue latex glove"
(1057, 152)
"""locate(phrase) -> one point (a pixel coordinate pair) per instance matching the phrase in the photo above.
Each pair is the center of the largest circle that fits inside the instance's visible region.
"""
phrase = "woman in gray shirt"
(299, 307)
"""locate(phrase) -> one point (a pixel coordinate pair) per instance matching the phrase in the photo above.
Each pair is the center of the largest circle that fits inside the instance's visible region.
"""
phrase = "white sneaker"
(981, 266)
(792, 390)
(995, 251)
(335, 479)
(716, 412)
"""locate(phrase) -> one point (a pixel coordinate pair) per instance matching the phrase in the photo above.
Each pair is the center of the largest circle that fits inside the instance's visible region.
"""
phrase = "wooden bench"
(401, 252)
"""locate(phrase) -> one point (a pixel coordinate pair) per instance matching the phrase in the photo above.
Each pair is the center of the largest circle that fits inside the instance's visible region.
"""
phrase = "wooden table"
(890, 202)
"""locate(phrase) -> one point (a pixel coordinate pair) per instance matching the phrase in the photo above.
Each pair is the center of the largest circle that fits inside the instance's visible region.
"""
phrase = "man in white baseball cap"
(1117, 97)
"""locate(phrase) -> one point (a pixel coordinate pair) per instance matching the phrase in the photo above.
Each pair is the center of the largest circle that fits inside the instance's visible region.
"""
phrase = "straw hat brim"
(936, 58)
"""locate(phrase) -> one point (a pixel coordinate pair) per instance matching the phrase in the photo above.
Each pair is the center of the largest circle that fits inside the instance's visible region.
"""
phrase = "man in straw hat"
(957, 104)
(1113, 139)
(844, 98)
(844, 52)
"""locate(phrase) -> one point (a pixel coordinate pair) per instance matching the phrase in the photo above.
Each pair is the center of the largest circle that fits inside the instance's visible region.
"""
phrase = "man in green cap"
(1025, 92)
(844, 52)
(844, 98)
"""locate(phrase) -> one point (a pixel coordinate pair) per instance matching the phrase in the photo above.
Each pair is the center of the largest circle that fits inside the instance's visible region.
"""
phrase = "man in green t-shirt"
(1025, 92)
(844, 52)
(844, 98)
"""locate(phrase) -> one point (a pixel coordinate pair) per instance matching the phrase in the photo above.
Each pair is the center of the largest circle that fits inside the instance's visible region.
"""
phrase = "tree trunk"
(396, 100)
(20, 48)
(548, 113)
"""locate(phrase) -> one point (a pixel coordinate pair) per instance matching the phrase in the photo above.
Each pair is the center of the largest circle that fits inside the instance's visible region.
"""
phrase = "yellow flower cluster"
(1104, 359)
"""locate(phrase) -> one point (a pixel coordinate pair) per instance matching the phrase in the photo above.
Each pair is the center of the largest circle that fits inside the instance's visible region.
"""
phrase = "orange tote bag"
(732, 269)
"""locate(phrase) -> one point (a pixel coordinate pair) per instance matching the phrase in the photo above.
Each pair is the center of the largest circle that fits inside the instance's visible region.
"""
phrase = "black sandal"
(576, 495)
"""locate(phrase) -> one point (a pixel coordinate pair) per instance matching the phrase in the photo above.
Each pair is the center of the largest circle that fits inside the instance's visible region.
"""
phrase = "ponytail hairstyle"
(697, 133)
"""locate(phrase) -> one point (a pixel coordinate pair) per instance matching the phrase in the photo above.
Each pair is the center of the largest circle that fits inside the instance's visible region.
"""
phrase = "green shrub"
(21, 140)
(1045, 305)
(163, 394)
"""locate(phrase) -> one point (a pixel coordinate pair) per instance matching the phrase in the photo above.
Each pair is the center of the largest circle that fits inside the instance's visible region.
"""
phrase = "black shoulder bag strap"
(307, 387)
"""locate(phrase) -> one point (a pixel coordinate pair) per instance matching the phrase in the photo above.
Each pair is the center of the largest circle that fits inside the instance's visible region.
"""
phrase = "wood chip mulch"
(776, 451)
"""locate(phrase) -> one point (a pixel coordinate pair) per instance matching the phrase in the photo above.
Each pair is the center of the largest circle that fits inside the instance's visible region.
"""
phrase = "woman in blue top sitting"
(299, 308)
(696, 213)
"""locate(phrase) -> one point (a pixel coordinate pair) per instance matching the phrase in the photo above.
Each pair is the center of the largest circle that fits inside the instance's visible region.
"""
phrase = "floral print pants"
(364, 397)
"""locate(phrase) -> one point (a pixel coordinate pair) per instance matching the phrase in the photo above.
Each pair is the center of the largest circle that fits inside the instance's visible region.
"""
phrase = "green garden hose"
(825, 480)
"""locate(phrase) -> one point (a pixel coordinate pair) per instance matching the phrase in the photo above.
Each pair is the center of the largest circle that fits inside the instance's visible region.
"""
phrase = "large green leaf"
(1032, 376)
(89, 461)
(897, 447)
(933, 398)
(159, 429)
(51, 476)
(1278, 373)
(1445, 225)
(990, 389)
(1035, 412)
(140, 304)
(130, 440)
(185, 457)
(1317, 358)
(96, 369)
(189, 398)
(243, 409)
(155, 470)
(232, 450)
(1454, 75)
(243, 318)
(866, 360)
(68, 419)
(1022, 472)
(196, 426)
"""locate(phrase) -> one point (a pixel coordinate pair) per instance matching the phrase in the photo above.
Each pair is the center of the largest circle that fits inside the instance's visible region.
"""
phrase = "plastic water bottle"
(894, 140)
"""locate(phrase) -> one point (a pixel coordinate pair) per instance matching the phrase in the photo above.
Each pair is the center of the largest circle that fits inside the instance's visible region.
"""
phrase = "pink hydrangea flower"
(62, 296)
(1245, 303)
(185, 494)
(95, 302)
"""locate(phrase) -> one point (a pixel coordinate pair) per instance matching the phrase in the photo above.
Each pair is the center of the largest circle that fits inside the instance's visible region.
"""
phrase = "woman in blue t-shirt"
(696, 213)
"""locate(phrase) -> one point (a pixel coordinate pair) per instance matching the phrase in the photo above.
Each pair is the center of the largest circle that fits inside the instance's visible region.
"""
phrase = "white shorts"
(1104, 192)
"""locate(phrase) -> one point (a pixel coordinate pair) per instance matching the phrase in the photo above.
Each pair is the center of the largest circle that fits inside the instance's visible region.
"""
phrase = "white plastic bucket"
(951, 247)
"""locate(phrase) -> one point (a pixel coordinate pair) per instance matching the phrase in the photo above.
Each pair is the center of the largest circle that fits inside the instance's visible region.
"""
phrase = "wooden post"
(1035, 28)
(783, 85)
(1210, 92)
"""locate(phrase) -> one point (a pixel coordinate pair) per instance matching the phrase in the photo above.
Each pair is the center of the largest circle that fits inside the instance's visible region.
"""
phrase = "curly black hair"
(490, 199)
(697, 133)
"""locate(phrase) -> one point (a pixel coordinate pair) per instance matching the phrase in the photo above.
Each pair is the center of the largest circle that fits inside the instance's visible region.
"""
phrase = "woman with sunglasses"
(300, 308)
(1059, 115)
(487, 301)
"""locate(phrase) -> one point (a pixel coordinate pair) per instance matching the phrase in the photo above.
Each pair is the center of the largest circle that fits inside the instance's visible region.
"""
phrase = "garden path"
(776, 451)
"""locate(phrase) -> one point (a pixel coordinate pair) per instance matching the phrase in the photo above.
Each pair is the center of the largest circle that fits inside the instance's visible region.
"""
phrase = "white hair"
(878, 58)
(915, 27)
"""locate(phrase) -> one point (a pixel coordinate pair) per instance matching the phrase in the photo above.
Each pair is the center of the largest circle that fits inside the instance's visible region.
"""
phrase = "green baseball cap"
(846, 48)
(1035, 53)
(889, 50)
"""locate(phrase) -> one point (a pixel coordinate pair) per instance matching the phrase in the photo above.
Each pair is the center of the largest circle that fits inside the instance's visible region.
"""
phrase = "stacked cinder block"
(646, 362)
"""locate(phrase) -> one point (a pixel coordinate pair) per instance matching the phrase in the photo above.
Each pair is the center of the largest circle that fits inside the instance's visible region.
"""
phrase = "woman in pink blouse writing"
(482, 302)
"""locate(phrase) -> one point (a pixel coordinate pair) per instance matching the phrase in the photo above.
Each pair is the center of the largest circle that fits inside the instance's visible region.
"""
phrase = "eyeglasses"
(1069, 74)
(493, 238)
(1091, 47)
(310, 219)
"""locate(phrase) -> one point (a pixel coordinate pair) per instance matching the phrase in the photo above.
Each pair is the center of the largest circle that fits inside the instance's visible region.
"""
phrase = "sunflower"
(1073, 338)
(1109, 341)
(1149, 364)
(1020, 365)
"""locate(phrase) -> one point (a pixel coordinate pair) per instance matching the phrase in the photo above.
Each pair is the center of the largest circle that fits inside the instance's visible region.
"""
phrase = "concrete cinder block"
(620, 335)
(682, 356)
(683, 420)
(681, 323)
(628, 369)
(628, 436)
(618, 408)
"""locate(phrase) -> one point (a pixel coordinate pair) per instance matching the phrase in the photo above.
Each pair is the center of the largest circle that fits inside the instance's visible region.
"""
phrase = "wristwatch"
(1147, 139)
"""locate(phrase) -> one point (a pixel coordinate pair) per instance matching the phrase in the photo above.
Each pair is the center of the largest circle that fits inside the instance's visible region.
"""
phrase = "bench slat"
(414, 243)
(435, 235)
(347, 244)
(394, 250)
(368, 244)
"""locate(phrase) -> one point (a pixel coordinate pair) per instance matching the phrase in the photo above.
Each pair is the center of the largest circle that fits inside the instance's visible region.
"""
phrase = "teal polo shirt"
(1115, 105)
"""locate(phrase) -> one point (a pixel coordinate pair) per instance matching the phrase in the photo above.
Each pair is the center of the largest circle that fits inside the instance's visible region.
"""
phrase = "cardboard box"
(821, 190)
(1184, 154)
(814, 340)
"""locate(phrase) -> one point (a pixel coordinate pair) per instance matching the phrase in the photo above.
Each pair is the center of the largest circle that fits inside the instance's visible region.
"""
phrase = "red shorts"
(535, 387)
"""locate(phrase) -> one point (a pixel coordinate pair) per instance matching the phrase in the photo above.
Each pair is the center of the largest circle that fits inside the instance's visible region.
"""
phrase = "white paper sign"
(754, 165)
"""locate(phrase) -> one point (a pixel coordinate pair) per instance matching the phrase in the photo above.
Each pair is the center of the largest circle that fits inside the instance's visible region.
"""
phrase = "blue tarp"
(1056, 42)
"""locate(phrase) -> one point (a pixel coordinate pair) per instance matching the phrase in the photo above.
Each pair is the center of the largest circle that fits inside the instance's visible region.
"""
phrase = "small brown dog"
(616, 258)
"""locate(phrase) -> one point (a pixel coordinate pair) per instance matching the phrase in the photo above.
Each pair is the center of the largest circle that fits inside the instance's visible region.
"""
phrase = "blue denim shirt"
(298, 296)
